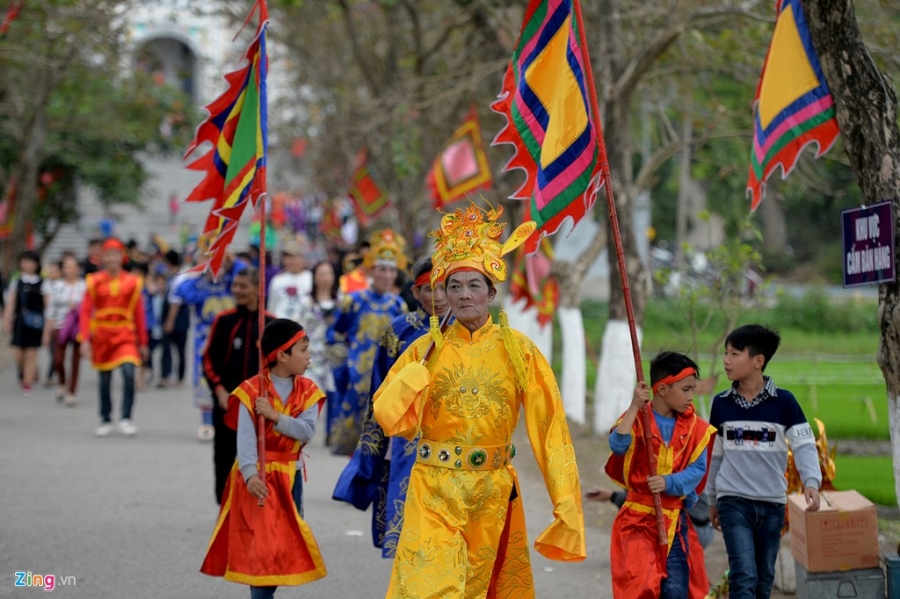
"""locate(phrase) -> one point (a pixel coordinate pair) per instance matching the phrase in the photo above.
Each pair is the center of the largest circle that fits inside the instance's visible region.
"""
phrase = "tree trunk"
(684, 188)
(774, 224)
(26, 185)
(573, 383)
(573, 387)
(614, 378)
(867, 115)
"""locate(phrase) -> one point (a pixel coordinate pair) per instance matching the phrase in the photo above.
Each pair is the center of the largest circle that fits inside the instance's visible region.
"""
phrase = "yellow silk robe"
(463, 537)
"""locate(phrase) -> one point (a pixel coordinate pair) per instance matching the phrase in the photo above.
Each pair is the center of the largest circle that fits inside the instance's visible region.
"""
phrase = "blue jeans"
(752, 533)
(297, 492)
(676, 584)
(262, 592)
(106, 392)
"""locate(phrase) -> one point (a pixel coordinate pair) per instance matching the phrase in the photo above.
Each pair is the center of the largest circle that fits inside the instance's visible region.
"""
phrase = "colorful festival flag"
(369, 197)
(331, 223)
(550, 105)
(794, 107)
(531, 282)
(462, 166)
(237, 128)
(11, 14)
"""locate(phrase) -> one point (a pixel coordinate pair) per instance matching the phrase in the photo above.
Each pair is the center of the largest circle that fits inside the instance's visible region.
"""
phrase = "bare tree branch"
(365, 69)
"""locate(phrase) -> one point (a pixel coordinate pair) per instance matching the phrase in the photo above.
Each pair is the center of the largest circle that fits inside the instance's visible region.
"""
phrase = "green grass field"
(872, 476)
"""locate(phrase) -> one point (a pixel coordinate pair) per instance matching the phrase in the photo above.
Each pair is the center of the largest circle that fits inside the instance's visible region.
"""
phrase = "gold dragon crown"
(387, 249)
(470, 239)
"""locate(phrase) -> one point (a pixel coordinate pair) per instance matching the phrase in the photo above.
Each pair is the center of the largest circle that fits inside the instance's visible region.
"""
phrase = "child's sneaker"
(70, 400)
(26, 390)
(205, 433)
(104, 430)
(127, 429)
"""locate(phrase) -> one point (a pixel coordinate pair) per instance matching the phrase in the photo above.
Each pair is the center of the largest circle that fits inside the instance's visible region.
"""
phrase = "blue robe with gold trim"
(372, 477)
(362, 318)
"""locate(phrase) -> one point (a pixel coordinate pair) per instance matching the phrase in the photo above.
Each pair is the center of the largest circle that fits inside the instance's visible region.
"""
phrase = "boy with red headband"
(270, 545)
(113, 332)
(641, 567)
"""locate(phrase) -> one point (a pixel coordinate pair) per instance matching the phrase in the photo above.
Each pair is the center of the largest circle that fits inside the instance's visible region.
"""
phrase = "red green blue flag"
(237, 128)
(462, 166)
(550, 105)
(794, 106)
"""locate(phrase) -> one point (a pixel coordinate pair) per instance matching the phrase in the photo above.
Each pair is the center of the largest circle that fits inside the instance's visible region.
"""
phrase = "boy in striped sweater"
(755, 424)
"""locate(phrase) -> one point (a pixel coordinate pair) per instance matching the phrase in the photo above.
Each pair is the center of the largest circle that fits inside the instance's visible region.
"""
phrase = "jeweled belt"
(464, 457)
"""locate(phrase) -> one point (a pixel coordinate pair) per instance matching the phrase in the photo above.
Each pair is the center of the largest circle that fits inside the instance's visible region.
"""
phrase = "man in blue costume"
(378, 472)
(361, 319)
(207, 297)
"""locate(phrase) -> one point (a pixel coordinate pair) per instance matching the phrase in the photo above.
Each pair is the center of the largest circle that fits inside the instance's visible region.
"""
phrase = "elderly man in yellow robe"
(464, 532)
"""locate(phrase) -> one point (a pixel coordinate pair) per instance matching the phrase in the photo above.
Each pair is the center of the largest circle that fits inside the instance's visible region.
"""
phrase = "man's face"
(469, 295)
(112, 259)
(383, 278)
(294, 263)
(243, 290)
(433, 298)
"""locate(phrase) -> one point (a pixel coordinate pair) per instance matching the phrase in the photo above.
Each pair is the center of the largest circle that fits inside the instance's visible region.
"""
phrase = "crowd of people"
(419, 385)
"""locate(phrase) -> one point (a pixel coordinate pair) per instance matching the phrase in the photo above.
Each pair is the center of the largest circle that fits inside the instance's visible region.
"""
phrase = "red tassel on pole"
(626, 290)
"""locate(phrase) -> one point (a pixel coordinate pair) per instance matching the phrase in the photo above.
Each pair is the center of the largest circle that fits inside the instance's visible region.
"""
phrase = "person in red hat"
(113, 333)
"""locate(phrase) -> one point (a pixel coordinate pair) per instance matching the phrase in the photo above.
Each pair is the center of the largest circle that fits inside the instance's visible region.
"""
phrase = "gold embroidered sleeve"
(398, 402)
(548, 432)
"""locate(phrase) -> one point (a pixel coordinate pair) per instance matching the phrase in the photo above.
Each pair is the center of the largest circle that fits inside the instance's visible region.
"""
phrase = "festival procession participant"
(269, 545)
(206, 297)
(681, 441)
(378, 472)
(230, 358)
(356, 275)
(112, 332)
(464, 529)
(363, 317)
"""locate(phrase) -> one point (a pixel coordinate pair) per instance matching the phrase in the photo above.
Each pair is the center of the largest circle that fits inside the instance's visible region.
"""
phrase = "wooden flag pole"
(626, 290)
(264, 383)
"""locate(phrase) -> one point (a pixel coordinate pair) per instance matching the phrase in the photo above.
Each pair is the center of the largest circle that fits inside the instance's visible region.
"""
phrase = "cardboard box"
(842, 535)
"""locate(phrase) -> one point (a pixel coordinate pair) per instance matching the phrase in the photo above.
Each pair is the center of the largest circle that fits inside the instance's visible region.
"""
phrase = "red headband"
(424, 279)
(674, 378)
(273, 355)
(113, 244)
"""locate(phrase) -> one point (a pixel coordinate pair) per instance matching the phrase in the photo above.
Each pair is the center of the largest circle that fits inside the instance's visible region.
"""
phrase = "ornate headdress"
(387, 249)
(470, 239)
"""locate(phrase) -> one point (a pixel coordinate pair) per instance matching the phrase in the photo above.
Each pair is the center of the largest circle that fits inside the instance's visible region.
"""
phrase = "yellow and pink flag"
(794, 106)
(462, 166)
(550, 105)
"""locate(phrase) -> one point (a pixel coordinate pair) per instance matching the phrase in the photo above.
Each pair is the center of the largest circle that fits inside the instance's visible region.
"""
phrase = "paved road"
(132, 517)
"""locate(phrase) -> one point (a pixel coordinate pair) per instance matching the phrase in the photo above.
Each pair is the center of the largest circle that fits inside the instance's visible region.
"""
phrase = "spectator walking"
(62, 299)
(291, 285)
(23, 318)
